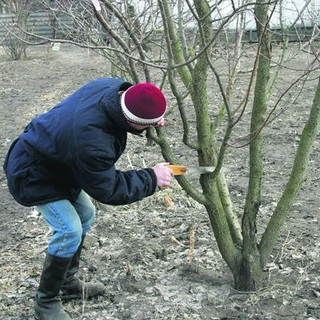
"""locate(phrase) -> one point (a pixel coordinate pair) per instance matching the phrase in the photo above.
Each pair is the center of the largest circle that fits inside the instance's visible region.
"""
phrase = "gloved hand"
(163, 174)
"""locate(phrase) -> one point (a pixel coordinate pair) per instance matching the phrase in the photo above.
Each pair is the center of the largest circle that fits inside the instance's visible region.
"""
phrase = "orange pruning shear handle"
(178, 170)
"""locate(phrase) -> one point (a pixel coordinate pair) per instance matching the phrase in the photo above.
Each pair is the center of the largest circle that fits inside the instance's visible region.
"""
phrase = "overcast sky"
(293, 10)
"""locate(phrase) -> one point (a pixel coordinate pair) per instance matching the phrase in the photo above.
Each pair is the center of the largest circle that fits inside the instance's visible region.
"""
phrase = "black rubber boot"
(47, 301)
(74, 288)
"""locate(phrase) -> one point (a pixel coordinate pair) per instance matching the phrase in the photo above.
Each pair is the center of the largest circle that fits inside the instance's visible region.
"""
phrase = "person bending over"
(67, 156)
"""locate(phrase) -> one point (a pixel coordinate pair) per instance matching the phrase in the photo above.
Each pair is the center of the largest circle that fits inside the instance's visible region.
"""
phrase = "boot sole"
(71, 297)
(78, 296)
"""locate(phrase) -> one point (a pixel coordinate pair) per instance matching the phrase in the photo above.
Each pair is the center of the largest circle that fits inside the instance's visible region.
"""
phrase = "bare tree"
(15, 40)
(194, 50)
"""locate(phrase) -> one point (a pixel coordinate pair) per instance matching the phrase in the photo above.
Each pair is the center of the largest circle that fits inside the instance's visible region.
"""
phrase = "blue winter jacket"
(74, 146)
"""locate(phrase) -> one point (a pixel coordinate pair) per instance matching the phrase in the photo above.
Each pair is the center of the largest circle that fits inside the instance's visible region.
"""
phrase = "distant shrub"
(14, 44)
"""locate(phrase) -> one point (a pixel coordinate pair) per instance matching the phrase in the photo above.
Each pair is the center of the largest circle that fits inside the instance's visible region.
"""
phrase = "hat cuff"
(133, 118)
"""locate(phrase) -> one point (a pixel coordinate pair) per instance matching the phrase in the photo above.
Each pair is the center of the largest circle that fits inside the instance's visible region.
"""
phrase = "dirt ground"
(141, 252)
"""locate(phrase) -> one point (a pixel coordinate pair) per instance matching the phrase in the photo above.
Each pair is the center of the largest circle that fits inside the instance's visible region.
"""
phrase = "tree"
(186, 39)
(15, 40)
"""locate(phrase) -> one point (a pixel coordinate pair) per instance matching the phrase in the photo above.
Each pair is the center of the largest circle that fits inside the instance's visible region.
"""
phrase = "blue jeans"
(69, 222)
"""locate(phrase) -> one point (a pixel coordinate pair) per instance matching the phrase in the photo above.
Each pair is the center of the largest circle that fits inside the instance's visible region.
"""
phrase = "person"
(67, 156)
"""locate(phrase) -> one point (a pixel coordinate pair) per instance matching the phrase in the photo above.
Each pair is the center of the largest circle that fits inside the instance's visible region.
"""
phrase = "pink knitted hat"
(143, 103)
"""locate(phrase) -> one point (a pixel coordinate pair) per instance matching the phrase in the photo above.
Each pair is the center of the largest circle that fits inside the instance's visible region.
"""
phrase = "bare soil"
(141, 252)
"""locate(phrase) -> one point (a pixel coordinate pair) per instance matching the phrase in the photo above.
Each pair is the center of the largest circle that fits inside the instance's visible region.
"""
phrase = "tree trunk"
(308, 136)
(249, 275)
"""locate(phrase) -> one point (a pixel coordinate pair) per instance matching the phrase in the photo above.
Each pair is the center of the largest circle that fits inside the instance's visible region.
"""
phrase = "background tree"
(15, 40)
(194, 50)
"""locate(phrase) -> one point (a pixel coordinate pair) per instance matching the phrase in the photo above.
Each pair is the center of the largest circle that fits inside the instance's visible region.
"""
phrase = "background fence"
(40, 23)
(299, 33)
(62, 26)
